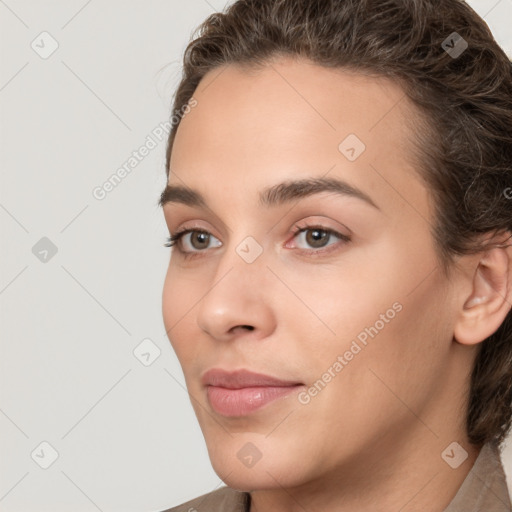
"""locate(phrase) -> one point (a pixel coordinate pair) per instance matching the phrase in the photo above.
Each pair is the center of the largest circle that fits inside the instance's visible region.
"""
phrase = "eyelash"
(174, 239)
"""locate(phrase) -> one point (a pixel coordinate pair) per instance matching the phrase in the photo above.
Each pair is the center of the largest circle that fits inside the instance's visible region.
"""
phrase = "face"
(334, 292)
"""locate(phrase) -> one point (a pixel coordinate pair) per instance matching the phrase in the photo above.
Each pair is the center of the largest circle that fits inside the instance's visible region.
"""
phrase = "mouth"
(242, 392)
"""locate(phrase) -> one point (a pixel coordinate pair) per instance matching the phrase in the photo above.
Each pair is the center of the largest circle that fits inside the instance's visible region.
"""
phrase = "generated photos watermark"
(157, 135)
(356, 346)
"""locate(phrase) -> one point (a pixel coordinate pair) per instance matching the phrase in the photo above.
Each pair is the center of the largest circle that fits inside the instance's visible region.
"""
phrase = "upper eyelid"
(308, 224)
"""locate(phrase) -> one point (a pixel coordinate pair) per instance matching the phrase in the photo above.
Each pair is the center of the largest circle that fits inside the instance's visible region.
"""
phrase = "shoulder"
(224, 499)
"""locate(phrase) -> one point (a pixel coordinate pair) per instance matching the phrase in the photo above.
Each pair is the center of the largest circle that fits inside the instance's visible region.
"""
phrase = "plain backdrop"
(93, 410)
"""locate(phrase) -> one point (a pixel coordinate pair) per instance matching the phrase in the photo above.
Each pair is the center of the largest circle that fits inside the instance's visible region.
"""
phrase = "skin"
(372, 439)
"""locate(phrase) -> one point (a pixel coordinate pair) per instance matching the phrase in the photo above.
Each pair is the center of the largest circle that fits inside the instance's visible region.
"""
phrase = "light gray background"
(125, 433)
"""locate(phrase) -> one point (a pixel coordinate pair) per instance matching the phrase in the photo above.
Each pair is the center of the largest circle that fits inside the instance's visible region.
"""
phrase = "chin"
(272, 471)
(253, 479)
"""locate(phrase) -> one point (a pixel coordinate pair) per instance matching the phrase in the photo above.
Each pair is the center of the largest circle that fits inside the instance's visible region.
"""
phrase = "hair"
(463, 136)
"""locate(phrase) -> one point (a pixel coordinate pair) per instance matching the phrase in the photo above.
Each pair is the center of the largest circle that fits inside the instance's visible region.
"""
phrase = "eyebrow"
(274, 195)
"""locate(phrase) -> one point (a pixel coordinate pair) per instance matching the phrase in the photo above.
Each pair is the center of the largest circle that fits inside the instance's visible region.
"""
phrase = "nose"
(239, 301)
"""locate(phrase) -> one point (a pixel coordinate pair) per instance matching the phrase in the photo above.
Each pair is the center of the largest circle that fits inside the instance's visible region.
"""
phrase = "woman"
(340, 285)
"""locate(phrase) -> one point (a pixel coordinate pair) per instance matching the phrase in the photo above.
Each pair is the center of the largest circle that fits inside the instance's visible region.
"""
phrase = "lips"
(242, 379)
(242, 392)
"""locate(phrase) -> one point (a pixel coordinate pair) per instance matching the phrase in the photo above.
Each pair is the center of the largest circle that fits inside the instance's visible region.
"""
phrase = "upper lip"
(242, 379)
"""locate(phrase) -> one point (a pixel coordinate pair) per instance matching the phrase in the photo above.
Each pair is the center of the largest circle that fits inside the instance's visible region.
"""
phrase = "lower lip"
(240, 402)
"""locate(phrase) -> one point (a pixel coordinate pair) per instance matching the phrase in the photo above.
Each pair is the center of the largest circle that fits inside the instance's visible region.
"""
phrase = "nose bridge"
(244, 266)
(246, 247)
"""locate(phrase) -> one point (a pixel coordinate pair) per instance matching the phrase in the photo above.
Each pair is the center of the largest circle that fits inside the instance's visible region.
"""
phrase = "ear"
(490, 300)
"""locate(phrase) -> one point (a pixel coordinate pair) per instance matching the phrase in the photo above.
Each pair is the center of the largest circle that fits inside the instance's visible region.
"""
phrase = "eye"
(198, 241)
(318, 236)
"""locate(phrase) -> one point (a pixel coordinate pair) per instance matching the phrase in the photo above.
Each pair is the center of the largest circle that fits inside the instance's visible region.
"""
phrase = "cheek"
(403, 360)
(377, 383)
(336, 303)
(388, 323)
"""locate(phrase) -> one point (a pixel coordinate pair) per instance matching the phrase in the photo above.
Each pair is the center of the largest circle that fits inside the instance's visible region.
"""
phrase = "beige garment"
(485, 487)
(484, 490)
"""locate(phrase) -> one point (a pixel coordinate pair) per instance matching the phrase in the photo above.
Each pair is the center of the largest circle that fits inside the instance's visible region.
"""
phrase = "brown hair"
(464, 126)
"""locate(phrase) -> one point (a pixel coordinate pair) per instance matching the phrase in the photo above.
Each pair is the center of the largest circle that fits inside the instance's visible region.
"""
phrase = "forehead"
(286, 90)
(292, 118)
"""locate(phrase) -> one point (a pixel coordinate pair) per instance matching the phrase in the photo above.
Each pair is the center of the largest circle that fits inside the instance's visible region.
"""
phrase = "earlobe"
(490, 299)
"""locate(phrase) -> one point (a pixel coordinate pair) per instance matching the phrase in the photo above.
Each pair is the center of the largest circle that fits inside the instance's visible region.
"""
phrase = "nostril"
(247, 327)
